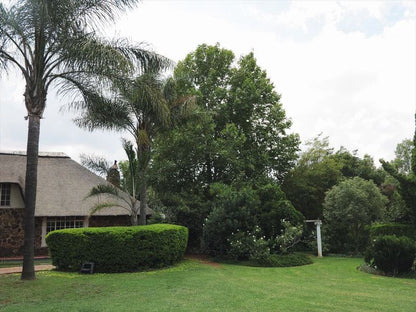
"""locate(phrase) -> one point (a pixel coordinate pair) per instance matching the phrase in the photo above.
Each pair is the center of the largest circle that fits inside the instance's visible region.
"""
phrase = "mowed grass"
(330, 284)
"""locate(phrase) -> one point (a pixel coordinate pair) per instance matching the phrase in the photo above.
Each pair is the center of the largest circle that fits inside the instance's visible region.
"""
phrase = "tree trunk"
(143, 201)
(28, 271)
(133, 218)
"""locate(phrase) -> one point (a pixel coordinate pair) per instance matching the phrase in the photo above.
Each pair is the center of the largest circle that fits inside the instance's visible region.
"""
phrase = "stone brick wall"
(11, 232)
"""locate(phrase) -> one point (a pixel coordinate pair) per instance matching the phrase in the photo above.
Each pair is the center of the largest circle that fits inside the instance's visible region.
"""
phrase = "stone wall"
(11, 232)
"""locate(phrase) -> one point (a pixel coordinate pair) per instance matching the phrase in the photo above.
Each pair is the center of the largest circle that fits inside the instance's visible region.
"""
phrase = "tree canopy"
(318, 169)
(239, 132)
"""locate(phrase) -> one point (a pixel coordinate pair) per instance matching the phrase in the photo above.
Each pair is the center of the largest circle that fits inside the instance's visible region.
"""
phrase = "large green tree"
(349, 208)
(56, 42)
(406, 181)
(318, 169)
(239, 132)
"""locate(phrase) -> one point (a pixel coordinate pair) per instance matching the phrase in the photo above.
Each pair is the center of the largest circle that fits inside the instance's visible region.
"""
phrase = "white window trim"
(44, 229)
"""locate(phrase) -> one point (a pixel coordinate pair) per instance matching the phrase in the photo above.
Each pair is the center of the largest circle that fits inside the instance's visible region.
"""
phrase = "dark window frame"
(5, 194)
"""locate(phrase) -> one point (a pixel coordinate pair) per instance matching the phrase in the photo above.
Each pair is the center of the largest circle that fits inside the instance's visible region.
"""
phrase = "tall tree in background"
(56, 41)
(403, 159)
(407, 182)
(319, 168)
(238, 135)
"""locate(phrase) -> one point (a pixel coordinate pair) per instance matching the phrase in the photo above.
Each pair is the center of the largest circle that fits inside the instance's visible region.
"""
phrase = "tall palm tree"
(140, 109)
(144, 106)
(56, 42)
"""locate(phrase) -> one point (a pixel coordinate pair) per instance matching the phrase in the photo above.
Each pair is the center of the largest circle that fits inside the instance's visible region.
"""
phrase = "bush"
(290, 236)
(380, 229)
(233, 212)
(391, 254)
(289, 260)
(247, 245)
(118, 249)
(349, 208)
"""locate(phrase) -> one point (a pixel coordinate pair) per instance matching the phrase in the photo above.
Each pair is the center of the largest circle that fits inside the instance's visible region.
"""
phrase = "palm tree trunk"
(28, 271)
(133, 219)
(143, 201)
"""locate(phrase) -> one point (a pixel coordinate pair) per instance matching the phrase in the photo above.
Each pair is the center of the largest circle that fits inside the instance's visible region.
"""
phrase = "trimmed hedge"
(288, 260)
(381, 229)
(391, 254)
(118, 249)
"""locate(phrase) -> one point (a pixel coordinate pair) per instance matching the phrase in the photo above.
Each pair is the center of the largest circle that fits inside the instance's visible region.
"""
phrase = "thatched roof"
(62, 184)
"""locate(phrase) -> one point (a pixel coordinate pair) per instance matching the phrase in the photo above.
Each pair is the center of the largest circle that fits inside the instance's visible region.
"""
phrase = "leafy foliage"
(286, 260)
(118, 249)
(349, 208)
(406, 181)
(290, 235)
(319, 169)
(391, 254)
(248, 245)
(249, 214)
(398, 229)
(238, 133)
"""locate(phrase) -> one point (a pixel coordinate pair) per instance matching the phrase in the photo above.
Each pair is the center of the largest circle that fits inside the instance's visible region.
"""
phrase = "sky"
(346, 69)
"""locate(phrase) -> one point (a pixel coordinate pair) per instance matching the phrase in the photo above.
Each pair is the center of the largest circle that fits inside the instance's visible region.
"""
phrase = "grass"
(330, 284)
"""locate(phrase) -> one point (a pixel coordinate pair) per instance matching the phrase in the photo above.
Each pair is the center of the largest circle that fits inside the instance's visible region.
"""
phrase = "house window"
(5, 194)
(59, 223)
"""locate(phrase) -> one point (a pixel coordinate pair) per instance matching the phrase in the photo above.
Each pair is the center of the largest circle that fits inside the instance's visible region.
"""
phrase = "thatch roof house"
(61, 190)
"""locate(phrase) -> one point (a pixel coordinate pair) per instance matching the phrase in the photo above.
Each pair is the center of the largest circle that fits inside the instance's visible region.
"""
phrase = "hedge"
(288, 260)
(391, 254)
(118, 249)
(381, 229)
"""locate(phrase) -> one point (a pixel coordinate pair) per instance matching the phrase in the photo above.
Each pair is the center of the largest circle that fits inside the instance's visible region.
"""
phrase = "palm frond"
(104, 189)
(95, 163)
(100, 206)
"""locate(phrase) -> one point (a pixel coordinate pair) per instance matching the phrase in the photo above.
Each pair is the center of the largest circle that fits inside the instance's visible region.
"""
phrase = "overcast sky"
(344, 68)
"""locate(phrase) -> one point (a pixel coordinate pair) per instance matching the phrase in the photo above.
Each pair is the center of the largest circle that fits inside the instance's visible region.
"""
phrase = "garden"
(212, 153)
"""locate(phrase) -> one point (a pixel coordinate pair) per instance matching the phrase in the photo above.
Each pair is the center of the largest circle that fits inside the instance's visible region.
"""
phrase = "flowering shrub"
(248, 245)
(289, 237)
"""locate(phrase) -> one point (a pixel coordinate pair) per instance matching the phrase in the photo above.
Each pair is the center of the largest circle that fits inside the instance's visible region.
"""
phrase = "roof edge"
(41, 154)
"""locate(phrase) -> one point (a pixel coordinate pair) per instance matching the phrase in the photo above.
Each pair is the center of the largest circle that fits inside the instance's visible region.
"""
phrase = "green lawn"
(330, 284)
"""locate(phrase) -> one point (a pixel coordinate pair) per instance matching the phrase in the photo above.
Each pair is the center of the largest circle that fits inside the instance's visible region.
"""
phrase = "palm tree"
(145, 106)
(141, 109)
(56, 42)
(128, 199)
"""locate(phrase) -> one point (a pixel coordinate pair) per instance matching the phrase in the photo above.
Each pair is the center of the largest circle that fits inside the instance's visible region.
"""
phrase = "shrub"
(391, 254)
(289, 260)
(290, 236)
(247, 245)
(380, 229)
(118, 249)
(233, 211)
(349, 208)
